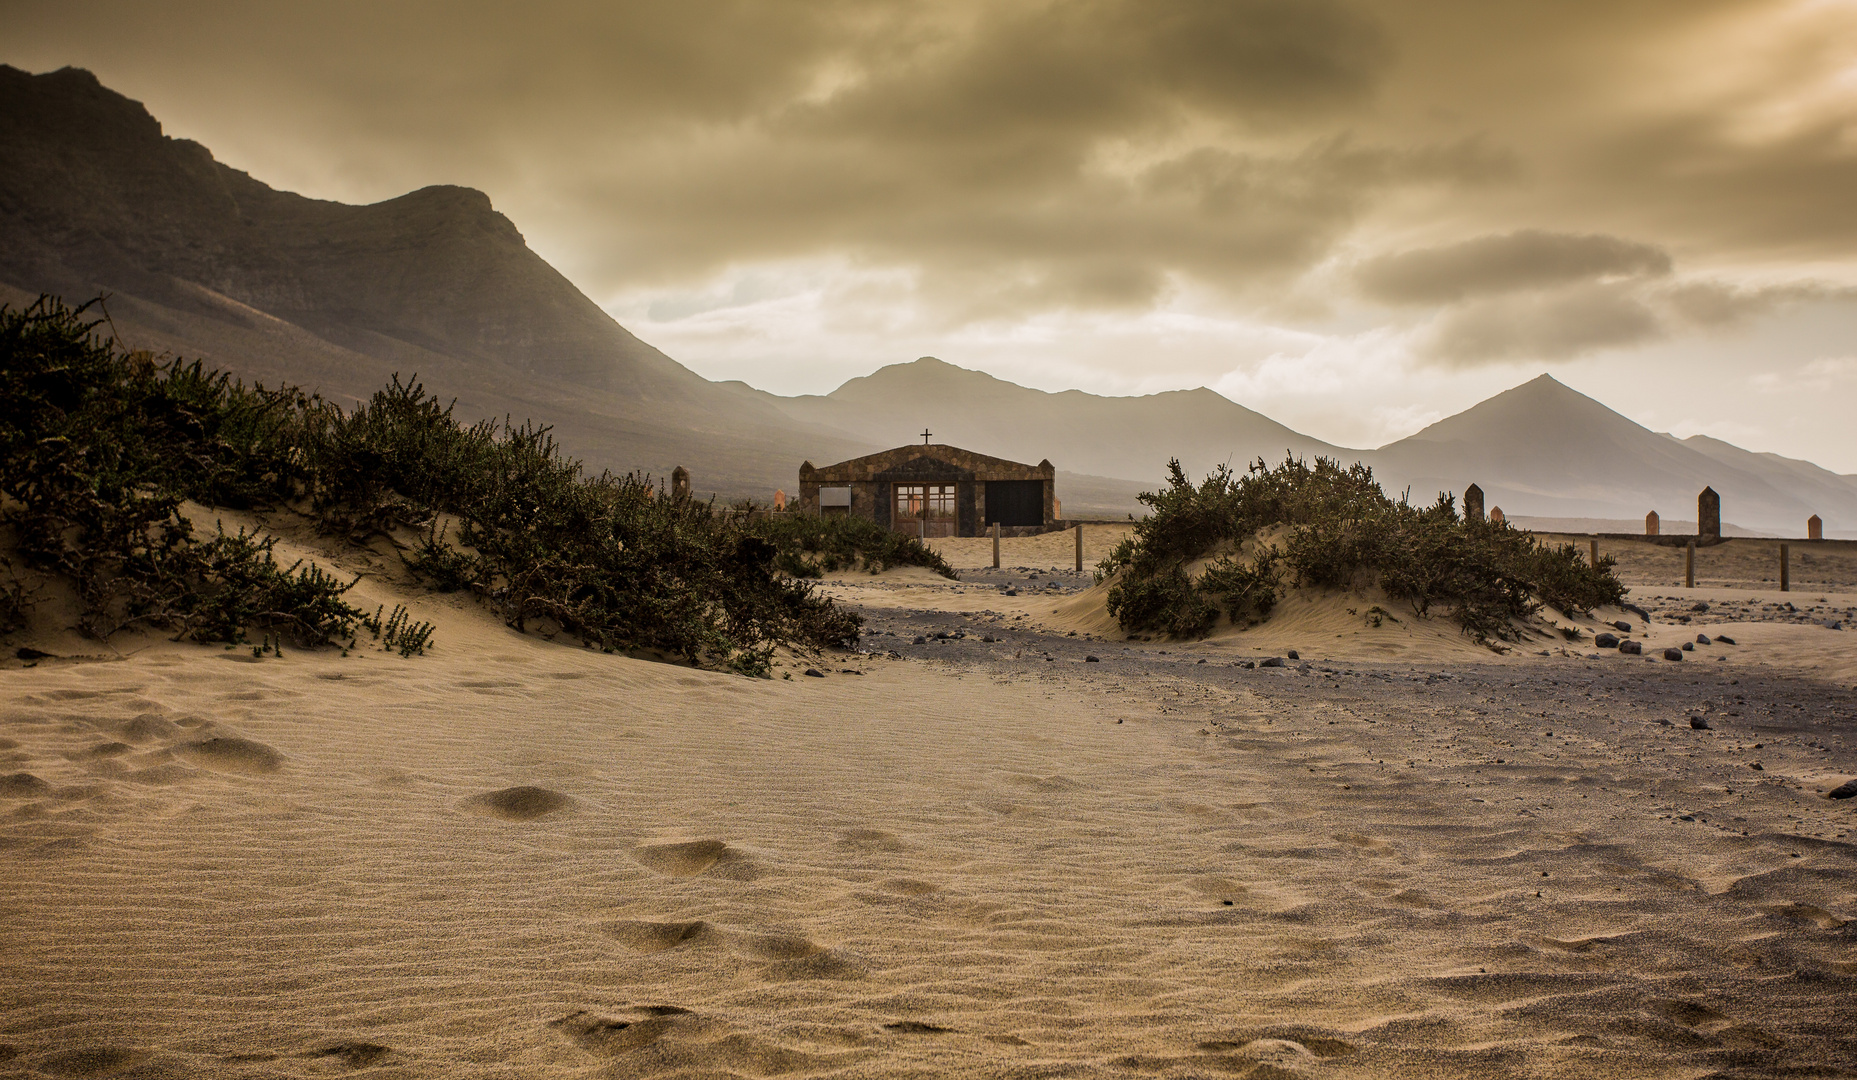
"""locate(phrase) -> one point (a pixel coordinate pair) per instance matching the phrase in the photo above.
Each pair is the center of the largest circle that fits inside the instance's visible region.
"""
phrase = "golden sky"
(1357, 217)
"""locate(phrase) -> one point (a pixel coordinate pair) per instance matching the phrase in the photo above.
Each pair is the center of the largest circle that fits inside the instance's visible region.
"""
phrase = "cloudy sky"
(1355, 217)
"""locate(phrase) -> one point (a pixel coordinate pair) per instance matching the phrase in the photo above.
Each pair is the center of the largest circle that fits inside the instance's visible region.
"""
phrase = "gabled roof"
(934, 462)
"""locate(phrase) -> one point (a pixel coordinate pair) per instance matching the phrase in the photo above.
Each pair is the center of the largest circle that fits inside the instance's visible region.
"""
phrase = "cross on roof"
(925, 436)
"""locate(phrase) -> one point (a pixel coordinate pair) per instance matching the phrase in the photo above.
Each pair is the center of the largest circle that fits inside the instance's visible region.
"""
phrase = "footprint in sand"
(353, 1055)
(908, 887)
(1281, 1048)
(23, 785)
(227, 753)
(692, 857)
(870, 841)
(90, 1061)
(655, 937)
(1804, 914)
(524, 803)
(150, 727)
(779, 946)
(640, 1025)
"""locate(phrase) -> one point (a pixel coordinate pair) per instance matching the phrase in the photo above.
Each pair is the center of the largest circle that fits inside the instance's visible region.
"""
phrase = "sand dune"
(518, 858)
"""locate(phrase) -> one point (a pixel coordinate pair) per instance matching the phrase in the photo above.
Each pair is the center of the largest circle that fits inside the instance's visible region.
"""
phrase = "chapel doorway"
(927, 510)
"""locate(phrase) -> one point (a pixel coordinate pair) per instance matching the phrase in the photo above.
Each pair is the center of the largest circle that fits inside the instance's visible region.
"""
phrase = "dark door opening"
(1016, 502)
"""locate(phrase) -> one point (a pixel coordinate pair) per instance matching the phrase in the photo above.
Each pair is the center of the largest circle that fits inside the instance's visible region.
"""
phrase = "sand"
(517, 858)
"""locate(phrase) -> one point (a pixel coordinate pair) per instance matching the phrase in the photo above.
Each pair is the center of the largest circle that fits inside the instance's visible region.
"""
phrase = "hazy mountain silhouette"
(205, 261)
(202, 260)
(1125, 437)
(1545, 450)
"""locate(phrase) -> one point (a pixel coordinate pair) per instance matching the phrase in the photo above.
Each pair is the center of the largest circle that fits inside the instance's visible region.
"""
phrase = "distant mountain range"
(202, 260)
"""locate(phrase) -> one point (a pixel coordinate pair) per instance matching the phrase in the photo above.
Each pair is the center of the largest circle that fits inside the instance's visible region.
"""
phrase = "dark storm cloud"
(1553, 326)
(1017, 156)
(1530, 259)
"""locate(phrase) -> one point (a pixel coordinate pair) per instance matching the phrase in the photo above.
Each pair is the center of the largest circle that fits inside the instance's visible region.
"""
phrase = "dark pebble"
(1294, 655)
(920, 640)
(1702, 639)
(1091, 660)
(1274, 661)
(1622, 626)
(1846, 790)
(1699, 724)
(1689, 646)
(1606, 640)
(1756, 766)
(1723, 639)
(1673, 654)
(815, 673)
(1631, 648)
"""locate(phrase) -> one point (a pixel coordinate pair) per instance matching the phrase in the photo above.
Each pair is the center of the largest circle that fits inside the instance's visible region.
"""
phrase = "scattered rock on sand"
(1622, 626)
(1294, 655)
(1673, 654)
(815, 673)
(1606, 640)
(1702, 639)
(1091, 660)
(1631, 648)
(1699, 724)
(1846, 790)
(1273, 661)
(1723, 639)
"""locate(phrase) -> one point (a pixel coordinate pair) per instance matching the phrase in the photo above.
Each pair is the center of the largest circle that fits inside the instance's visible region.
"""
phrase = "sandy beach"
(943, 856)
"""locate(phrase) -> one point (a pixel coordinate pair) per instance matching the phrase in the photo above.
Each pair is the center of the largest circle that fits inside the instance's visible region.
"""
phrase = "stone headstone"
(680, 483)
(1708, 513)
(780, 500)
(1496, 516)
(1473, 503)
(1814, 528)
(1652, 523)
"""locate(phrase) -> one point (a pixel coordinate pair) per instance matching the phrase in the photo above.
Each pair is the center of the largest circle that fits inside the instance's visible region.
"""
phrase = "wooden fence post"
(996, 545)
(1689, 566)
(1786, 575)
(1593, 551)
(1079, 549)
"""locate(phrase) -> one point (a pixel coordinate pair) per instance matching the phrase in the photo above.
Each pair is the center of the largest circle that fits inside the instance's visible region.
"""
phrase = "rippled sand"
(519, 859)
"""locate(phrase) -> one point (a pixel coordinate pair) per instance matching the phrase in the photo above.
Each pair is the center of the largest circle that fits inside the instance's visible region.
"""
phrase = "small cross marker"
(925, 436)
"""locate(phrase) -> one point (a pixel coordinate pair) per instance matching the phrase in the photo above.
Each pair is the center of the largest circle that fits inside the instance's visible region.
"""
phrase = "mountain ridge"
(203, 260)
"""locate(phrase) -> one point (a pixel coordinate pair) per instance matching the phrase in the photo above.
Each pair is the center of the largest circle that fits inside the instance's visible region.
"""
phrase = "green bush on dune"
(1332, 527)
(810, 547)
(98, 449)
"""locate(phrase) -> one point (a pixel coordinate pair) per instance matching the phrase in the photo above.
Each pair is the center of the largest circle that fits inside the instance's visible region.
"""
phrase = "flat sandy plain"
(1401, 855)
